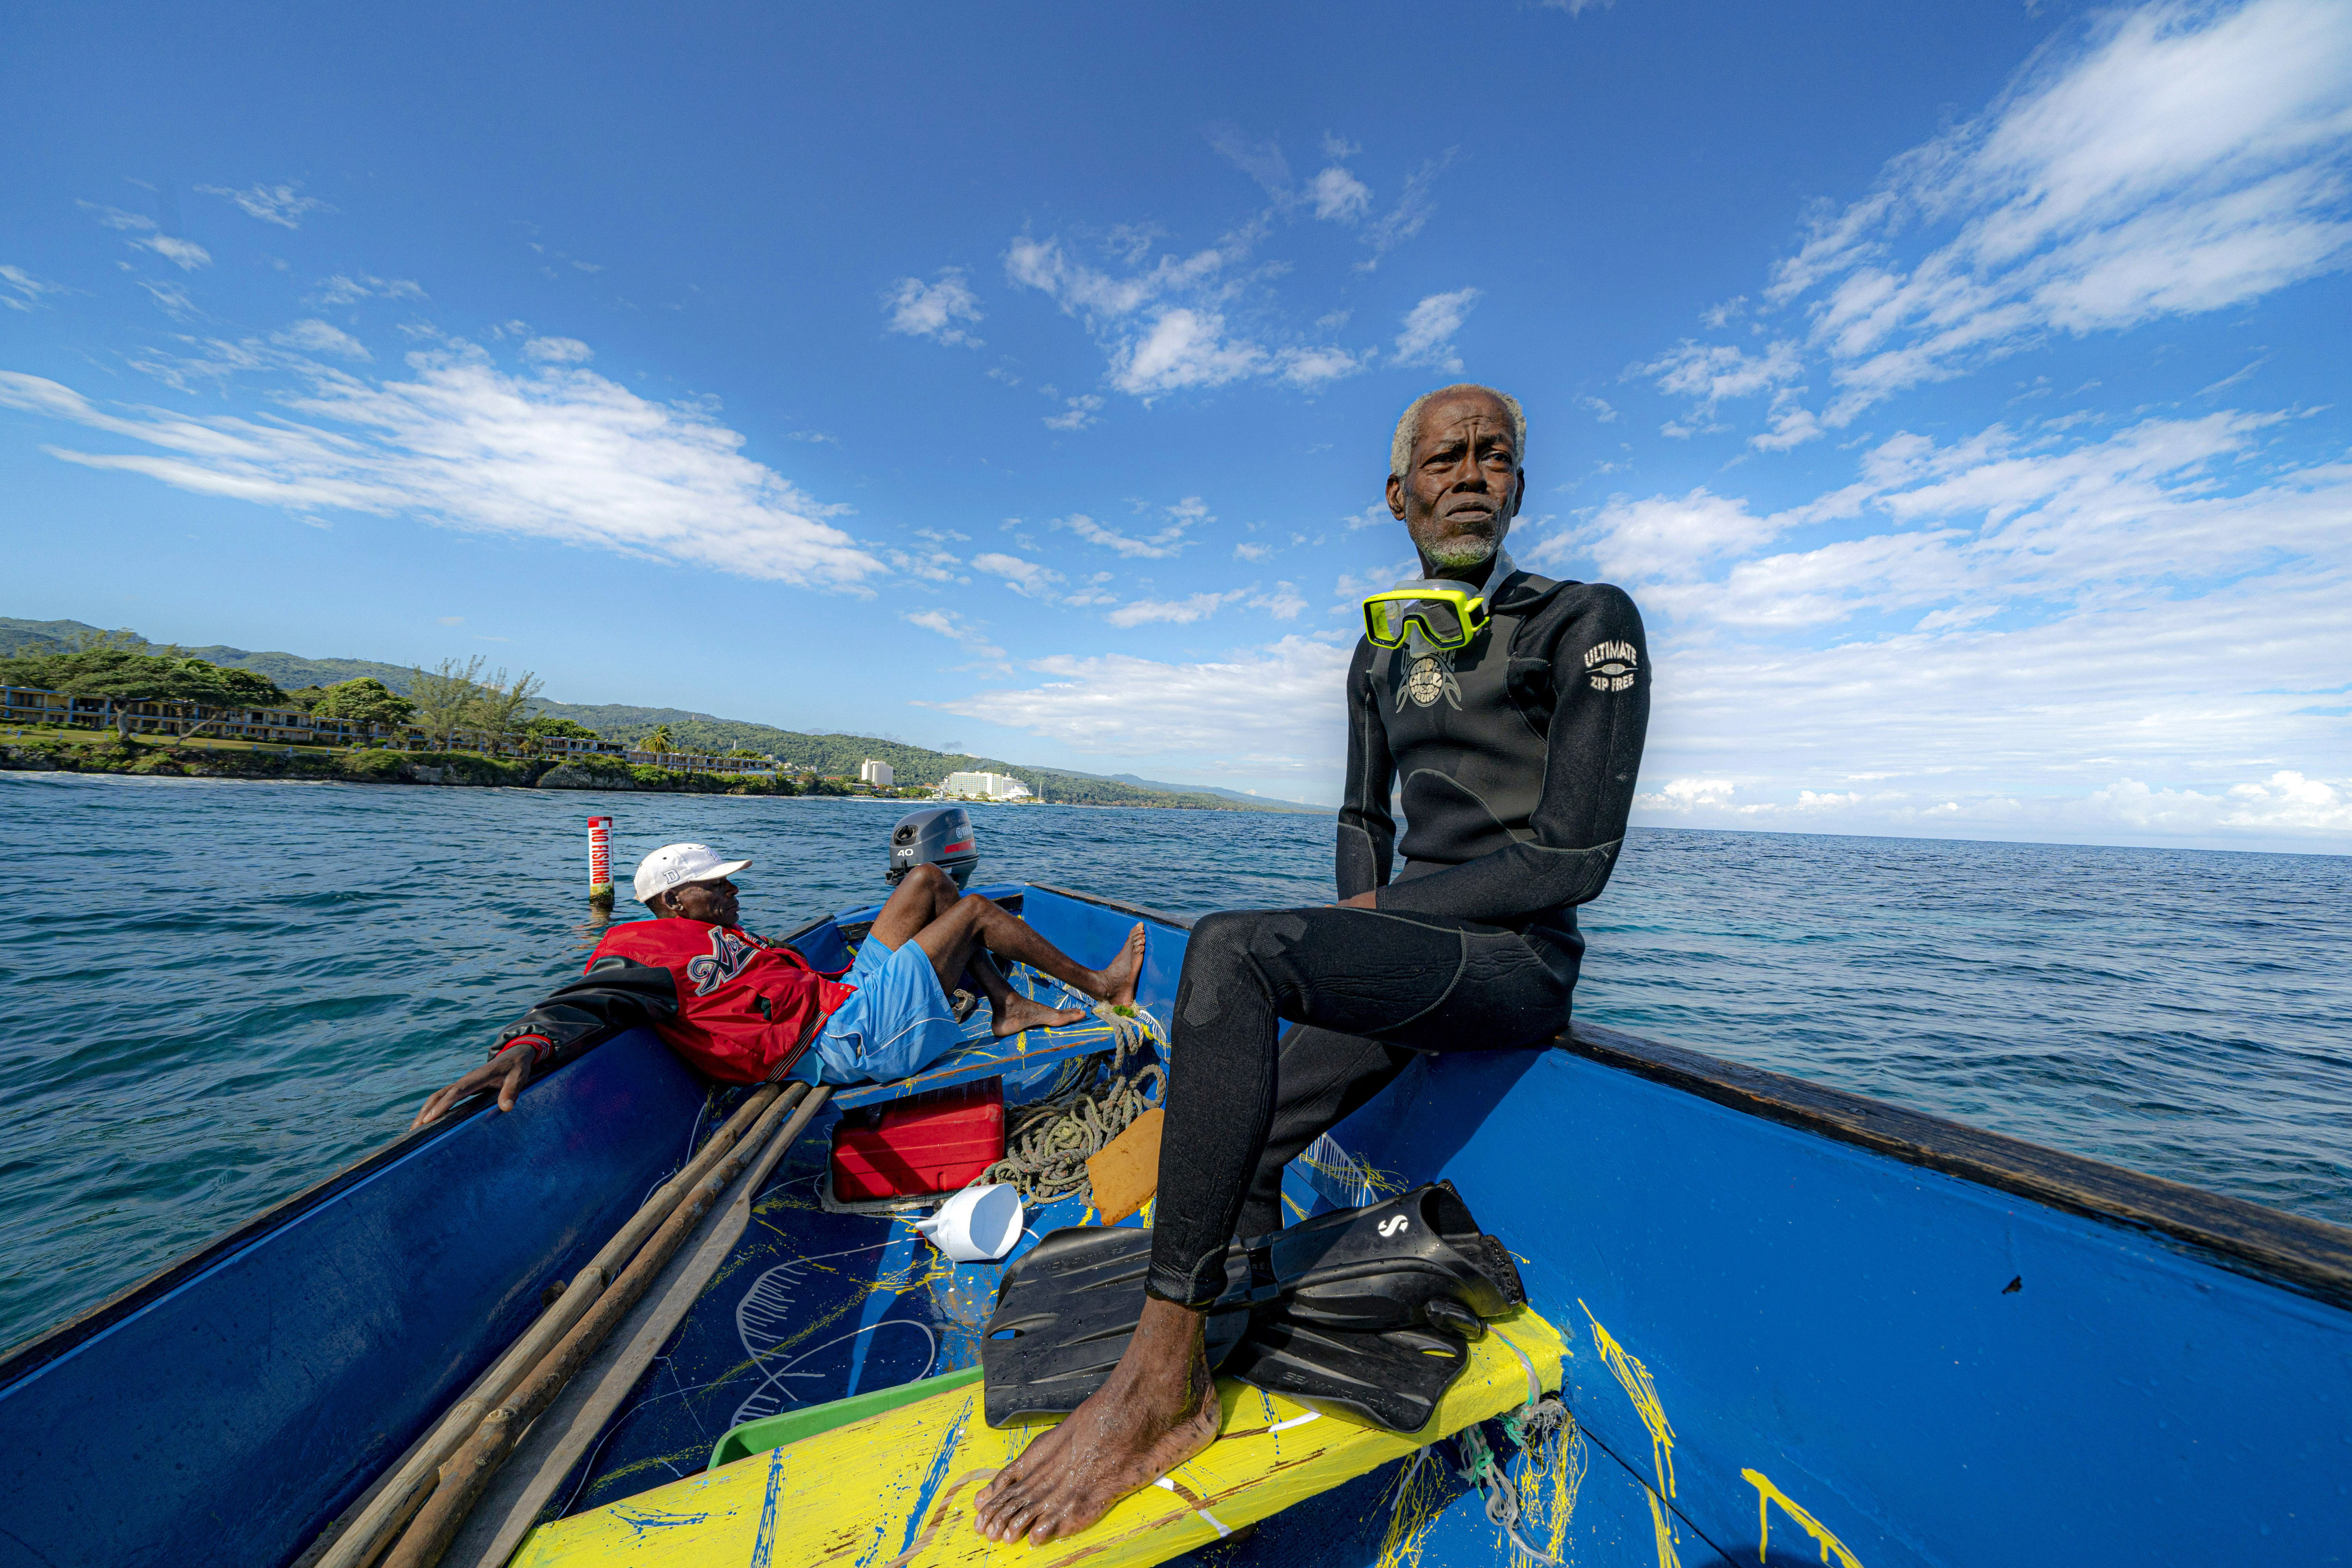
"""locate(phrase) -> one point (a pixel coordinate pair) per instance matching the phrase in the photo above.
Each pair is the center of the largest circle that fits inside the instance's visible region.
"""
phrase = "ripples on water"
(216, 993)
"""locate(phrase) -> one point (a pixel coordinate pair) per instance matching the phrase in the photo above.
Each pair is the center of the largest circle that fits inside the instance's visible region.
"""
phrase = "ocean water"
(216, 993)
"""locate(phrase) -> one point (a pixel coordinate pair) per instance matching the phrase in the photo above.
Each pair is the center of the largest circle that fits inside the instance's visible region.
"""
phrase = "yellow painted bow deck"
(894, 1490)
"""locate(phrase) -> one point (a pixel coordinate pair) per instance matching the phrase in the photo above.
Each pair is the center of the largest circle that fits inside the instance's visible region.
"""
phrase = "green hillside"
(692, 732)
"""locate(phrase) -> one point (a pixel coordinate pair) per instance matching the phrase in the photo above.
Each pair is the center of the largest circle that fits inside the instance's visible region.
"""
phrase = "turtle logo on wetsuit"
(1429, 677)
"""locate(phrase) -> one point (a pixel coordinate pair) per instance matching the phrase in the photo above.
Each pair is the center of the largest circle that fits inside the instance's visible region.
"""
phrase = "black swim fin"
(1065, 1311)
(1391, 1380)
(1417, 1262)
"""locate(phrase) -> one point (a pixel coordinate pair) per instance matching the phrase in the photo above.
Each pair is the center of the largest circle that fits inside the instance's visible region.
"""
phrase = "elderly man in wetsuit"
(742, 1009)
(1518, 752)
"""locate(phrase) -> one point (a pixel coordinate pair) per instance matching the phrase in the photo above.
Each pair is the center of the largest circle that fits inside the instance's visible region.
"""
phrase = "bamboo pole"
(597, 1398)
(468, 1472)
(358, 1538)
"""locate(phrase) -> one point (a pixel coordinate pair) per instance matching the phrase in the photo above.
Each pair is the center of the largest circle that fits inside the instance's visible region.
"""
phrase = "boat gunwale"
(2310, 1257)
(30, 1355)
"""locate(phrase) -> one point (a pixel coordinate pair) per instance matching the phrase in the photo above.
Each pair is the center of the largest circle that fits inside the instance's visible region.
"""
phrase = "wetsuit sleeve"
(1367, 831)
(1593, 758)
(617, 993)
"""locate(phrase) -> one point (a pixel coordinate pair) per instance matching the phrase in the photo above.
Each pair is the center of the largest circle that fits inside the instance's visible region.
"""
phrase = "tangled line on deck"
(1049, 1142)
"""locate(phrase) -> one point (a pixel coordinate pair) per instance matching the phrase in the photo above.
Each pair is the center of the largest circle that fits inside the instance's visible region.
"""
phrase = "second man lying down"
(742, 1009)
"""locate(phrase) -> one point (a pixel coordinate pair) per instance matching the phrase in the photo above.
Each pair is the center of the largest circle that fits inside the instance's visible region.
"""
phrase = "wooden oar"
(571, 1428)
(468, 1473)
(369, 1525)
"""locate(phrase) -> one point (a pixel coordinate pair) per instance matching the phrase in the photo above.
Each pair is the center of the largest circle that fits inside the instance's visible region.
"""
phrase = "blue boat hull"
(1803, 1327)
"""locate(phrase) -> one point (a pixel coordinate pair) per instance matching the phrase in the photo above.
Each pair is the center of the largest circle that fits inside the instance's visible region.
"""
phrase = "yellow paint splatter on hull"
(895, 1491)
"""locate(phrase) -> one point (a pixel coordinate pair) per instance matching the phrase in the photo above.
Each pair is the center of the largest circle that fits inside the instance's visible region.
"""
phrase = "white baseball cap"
(674, 865)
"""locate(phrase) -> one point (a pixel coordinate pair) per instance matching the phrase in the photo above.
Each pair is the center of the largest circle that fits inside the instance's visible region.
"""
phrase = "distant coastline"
(87, 752)
(825, 756)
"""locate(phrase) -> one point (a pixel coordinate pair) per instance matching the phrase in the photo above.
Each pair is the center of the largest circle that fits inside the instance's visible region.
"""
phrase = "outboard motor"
(938, 835)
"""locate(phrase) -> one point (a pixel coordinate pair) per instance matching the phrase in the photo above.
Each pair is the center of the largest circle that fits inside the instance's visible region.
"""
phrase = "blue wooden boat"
(1802, 1326)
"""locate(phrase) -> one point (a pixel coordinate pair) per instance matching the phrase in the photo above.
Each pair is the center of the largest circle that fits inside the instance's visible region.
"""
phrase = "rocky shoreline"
(166, 759)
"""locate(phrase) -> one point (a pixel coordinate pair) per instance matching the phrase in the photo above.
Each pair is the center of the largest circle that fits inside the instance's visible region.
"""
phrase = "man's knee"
(930, 878)
(1221, 938)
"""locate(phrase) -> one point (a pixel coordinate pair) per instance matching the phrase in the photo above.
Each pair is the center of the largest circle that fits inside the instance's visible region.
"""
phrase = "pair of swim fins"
(1367, 1312)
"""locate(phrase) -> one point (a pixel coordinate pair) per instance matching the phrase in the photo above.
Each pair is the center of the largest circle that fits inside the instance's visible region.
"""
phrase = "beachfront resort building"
(881, 775)
(984, 786)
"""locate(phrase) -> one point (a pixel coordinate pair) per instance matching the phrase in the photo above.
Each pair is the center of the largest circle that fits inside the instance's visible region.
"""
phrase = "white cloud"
(957, 628)
(1097, 297)
(1600, 407)
(2139, 635)
(1258, 705)
(115, 217)
(1183, 348)
(1710, 372)
(1334, 194)
(931, 566)
(1174, 612)
(1158, 545)
(28, 290)
(1252, 552)
(1163, 329)
(281, 204)
(1021, 576)
(320, 338)
(560, 454)
(558, 350)
(184, 254)
(2185, 160)
(1076, 415)
(1793, 424)
(1401, 222)
(935, 310)
(1338, 195)
(1284, 603)
(1311, 367)
(341, 290)
(1429, 329)
(2000, 520)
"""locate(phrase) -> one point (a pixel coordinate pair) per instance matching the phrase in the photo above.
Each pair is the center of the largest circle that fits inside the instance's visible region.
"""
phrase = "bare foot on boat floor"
(1145, 1422)
(1020, 1013)
(1119, 981)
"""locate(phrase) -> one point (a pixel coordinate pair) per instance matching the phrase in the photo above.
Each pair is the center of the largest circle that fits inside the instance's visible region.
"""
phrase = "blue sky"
(1958, 388)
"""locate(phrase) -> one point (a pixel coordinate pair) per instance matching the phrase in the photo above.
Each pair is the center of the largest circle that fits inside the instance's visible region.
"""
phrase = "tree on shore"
(659, 742)
(544, 728)
(445, 698)
(366, 700)
(499, 704)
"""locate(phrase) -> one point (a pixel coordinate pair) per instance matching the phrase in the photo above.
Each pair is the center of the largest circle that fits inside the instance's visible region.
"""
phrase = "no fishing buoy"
(600, 861)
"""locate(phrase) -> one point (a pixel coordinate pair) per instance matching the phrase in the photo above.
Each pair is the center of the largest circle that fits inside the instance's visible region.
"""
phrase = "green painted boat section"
(775, 1431)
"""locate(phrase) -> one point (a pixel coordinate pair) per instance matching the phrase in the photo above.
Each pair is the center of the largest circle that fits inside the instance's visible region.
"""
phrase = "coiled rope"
(1528, 1426)
(1049, 1142)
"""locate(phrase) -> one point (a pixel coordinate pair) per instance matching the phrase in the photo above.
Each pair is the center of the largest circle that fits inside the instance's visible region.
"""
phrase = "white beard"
(1464, 551)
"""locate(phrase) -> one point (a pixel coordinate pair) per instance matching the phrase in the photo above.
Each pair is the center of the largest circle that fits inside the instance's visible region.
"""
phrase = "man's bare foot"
(1117, 984)
(1017, 1012)
(1159, 1409)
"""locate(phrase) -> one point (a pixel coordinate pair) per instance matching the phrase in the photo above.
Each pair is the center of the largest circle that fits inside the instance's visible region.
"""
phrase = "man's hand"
(1369, 900)
(507, 1072)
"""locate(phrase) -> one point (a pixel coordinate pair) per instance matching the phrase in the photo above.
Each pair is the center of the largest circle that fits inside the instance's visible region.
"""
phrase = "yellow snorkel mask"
(1448, 617)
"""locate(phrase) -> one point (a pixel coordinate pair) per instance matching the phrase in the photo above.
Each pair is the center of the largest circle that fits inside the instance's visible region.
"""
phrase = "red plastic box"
(932, 1142)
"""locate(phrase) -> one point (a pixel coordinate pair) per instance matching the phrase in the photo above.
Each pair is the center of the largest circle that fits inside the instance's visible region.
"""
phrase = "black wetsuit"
(1517, 756)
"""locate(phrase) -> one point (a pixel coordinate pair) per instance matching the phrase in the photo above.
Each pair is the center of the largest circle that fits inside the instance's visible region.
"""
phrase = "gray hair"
(1408, 430)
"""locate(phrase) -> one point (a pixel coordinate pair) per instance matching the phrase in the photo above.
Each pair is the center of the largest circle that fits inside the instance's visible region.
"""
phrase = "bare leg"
(1159, 1409)
(974, 924)
(1008, 1010)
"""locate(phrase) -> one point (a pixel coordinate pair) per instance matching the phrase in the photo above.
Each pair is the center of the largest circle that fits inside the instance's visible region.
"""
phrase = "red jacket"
(737, 1007)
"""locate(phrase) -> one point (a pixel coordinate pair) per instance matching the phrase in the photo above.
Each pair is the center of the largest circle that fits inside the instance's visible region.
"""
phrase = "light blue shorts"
(896, 1023)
